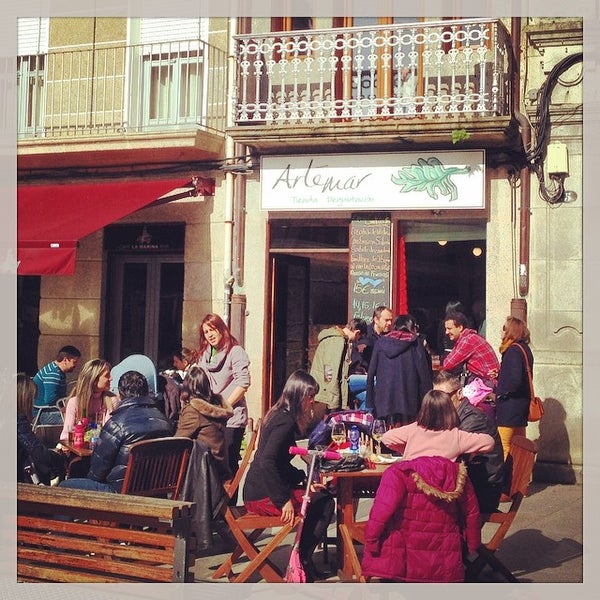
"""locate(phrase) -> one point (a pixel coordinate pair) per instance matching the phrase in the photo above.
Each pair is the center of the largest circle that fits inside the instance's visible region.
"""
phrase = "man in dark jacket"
(486, 471)
(136, 418)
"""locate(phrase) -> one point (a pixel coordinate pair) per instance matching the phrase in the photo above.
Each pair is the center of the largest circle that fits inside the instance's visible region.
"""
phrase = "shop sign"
(374, 181)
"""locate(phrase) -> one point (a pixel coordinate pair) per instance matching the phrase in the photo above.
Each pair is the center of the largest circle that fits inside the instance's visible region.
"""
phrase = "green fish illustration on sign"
(430, 176)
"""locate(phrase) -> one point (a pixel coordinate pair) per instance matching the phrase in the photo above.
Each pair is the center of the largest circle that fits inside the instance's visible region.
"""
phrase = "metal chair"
(157, 467)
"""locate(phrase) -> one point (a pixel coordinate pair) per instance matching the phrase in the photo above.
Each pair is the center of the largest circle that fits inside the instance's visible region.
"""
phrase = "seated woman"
(425, 506)
(435, 432)
(91, 398)
(204, 416)
(273, 485)
(33, 458)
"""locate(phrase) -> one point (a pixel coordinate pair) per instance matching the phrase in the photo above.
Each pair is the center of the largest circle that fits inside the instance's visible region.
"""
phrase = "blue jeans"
(83, 483)
(357, 386)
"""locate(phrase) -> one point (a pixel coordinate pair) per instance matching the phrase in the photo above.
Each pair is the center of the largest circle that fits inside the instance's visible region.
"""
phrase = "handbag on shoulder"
(536, 407)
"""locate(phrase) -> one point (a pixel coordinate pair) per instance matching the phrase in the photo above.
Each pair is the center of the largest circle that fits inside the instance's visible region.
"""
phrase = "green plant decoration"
(459, 135)
(429, 175)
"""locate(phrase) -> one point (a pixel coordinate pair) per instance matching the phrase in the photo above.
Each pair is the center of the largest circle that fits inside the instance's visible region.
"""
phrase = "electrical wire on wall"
(514, 182)
(536, 155)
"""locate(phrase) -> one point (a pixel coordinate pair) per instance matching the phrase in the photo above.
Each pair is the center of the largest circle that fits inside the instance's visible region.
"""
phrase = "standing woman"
(92, 397)
(273, 485)
(399, 373)
(512, 391)
(227, 365)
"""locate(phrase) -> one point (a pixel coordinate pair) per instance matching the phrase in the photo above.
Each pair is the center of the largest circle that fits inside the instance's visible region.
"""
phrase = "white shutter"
(155, 30)
(32, 35)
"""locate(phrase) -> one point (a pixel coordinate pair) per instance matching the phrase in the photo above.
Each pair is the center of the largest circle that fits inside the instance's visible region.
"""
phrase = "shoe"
(312, 573)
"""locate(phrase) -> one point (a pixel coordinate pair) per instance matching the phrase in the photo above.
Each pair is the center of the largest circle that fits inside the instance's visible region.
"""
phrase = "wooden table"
(349, 485)
(79, 459)
(81, 451)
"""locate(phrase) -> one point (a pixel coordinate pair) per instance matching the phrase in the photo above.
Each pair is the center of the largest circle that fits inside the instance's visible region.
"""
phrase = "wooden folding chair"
(351, 534)
(520, 462)
(232, 485)
(246, 528)
(157, 467)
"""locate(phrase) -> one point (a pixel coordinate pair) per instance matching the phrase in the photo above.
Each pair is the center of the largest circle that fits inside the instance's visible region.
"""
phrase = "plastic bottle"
(78, 435)
(354, 437)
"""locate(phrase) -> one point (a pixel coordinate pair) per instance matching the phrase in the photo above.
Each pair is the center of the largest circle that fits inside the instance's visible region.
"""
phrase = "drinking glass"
(338, 433)
(377, 430)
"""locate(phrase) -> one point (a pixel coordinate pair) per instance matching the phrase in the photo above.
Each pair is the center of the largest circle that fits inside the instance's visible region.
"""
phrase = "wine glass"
(378, 428)
(338, 433)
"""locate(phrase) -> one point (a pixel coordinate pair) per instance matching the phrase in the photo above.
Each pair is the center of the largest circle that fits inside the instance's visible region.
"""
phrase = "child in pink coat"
(425, 512)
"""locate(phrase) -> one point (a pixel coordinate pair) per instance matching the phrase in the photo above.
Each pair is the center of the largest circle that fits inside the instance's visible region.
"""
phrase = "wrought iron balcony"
(429, 70)
(114, 89)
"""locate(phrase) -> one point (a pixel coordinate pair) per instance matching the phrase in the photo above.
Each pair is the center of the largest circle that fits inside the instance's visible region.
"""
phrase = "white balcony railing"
(394, 71)
(119, 89)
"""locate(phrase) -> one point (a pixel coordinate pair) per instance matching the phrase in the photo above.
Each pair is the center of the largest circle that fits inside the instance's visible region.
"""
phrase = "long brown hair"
(26, 390)
(214, 321)
(197, 385)
(299, 385)
(437, 412)
(513, 330)
(86, 386)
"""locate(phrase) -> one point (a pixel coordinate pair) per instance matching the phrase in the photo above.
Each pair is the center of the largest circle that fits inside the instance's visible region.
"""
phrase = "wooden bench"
(67, 535)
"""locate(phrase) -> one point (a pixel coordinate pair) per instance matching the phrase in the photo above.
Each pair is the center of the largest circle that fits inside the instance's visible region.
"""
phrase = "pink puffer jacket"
(423, 511)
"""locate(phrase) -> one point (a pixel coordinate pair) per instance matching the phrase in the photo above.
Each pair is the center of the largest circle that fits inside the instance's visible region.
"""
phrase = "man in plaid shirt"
(471, 350)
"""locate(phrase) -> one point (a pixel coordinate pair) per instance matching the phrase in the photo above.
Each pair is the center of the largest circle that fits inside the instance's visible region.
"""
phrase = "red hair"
(214, 321)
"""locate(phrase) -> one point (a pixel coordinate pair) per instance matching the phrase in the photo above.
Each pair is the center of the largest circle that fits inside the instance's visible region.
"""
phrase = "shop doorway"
(144, 312)
(309, 284)
(144, 291)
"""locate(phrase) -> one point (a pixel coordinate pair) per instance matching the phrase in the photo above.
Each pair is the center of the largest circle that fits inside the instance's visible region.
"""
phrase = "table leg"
(345, 515)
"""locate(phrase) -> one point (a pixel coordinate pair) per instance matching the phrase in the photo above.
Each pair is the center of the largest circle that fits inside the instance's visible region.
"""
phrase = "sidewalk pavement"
(544, 544)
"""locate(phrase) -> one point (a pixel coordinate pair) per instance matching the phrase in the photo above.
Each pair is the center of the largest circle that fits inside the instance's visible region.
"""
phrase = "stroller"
(295, 572)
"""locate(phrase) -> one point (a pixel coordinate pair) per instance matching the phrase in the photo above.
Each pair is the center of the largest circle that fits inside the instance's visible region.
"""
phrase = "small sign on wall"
(380, 181)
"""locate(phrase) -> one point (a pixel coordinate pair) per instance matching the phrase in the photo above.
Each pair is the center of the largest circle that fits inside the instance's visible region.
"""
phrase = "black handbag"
(353, 462)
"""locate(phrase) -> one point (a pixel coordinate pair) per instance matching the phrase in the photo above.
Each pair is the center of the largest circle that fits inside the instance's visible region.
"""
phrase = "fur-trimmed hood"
(437, 476)
(210, 411)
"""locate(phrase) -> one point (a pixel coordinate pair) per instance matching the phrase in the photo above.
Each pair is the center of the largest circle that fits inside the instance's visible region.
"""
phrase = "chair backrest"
(233, 484)
(157, 467)
(521, 460)
(135, 362)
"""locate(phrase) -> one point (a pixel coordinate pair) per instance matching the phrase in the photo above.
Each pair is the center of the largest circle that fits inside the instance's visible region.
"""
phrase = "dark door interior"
(144, 312)
(289, 338)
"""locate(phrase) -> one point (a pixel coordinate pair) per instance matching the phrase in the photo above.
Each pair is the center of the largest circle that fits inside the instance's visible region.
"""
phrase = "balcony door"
(144, 312)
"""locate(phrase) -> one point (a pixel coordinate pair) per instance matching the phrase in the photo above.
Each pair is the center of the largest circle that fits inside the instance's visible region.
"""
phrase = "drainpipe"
(519, 305)
(228, 277)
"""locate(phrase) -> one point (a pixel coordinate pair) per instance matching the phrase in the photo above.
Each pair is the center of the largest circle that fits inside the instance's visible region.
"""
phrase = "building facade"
(291, 173)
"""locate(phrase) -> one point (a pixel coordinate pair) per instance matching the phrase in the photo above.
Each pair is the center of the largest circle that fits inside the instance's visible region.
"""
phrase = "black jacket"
(47, 463)
(135, 419)
(485, 470)
(271, 474)
(401, 368)
(512, 391)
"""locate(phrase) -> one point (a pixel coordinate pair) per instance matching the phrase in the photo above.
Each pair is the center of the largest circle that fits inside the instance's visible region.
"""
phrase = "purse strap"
(528, 368)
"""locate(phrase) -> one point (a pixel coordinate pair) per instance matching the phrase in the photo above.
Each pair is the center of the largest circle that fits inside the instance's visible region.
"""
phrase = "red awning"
(51, 219)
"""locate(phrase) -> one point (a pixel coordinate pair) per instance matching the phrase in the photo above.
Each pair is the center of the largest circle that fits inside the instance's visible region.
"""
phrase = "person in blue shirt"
(51, 382)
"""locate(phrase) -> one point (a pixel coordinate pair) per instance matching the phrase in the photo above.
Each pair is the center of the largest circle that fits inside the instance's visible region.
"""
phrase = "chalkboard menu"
(370, 266)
